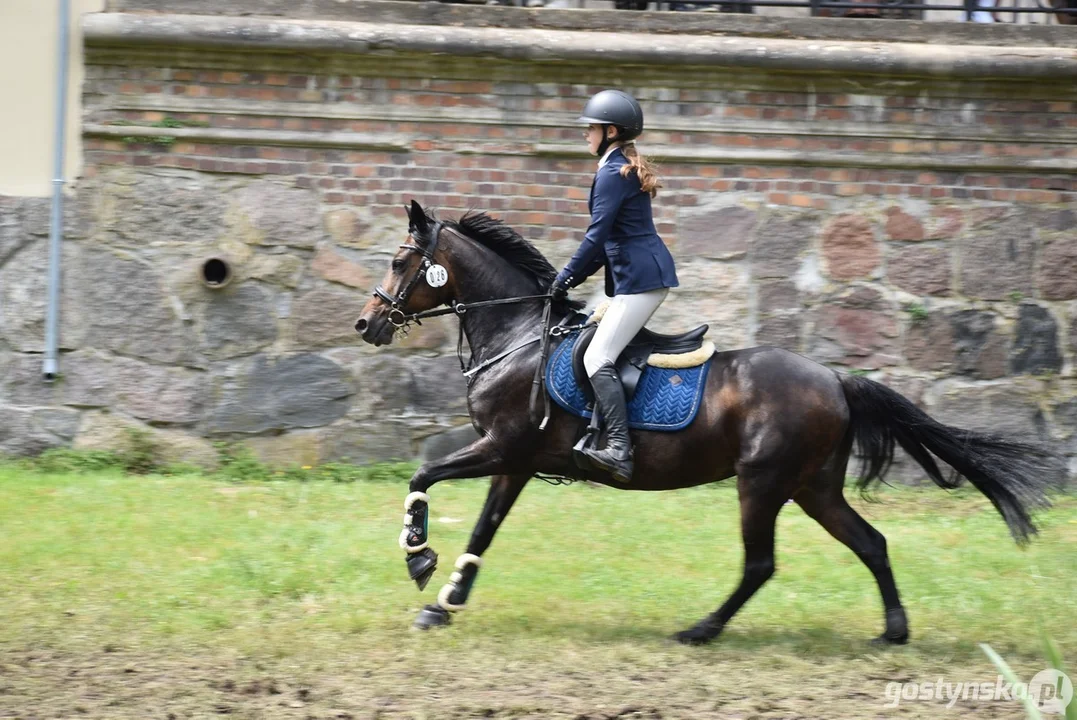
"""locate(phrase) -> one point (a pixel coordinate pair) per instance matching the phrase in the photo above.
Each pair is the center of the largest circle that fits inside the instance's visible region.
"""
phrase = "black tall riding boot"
(616, 457)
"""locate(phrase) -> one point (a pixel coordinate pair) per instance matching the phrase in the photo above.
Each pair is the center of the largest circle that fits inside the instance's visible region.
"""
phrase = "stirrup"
(621, 470)
(587, 441)
(579, 452)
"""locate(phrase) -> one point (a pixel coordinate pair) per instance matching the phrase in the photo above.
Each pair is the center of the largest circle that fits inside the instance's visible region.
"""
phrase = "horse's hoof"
(421, 566)
(897, 628)
(885, 640)
(698, 635)
(432, 616)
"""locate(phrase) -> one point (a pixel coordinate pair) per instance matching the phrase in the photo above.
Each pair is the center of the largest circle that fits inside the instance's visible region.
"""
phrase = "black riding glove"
(559, 288)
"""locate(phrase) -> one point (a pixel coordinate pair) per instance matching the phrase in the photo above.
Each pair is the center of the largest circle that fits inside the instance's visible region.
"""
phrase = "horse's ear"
(417, 217)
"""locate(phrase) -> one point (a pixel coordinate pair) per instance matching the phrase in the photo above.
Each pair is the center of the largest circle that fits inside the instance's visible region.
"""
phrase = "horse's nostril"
(361, 325)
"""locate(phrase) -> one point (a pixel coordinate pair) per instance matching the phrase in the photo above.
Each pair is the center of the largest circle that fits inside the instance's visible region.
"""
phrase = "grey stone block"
(1035, 347)
(238, 321)
(441, 444)
(263, 394)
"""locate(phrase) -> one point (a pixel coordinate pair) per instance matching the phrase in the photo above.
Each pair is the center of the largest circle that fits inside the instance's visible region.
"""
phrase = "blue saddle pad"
(665, 399)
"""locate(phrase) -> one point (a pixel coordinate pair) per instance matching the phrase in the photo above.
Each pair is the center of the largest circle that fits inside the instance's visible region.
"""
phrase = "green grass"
(917, 312)
(308, 576)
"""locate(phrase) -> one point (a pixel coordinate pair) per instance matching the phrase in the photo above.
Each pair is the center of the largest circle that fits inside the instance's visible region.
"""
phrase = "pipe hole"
(216, 273)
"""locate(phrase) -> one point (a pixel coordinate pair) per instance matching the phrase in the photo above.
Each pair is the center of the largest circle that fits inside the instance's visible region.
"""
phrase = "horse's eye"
(397, 265)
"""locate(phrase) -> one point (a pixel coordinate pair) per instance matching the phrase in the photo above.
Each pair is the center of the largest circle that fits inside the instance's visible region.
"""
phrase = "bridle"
(401, 320)
(397, 317)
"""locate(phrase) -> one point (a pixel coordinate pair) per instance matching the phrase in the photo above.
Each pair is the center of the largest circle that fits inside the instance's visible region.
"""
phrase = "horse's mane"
(495, 235)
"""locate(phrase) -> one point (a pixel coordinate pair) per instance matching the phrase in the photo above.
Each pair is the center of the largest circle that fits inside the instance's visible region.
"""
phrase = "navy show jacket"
(621, 236)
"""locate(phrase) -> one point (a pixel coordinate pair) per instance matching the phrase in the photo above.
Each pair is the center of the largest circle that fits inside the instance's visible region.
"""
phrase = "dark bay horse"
(783, 425)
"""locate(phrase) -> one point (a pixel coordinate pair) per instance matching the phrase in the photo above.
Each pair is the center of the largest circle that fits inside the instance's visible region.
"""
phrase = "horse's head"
(415, 281)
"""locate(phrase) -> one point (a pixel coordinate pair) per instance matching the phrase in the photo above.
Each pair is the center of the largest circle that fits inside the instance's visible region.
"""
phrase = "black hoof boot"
(700, 633)
(432, 616)
(897, 628)
(421, 566)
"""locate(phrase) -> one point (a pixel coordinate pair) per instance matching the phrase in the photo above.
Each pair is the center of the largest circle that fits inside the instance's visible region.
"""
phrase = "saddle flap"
(578, 369)
(630, 364)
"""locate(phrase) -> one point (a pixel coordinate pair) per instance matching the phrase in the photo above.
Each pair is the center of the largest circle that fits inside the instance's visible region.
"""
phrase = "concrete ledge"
(447, 14)
(553, 46)
(665, 123)
(888, 161)
(345, 140)
(663, 153)
(784, 158)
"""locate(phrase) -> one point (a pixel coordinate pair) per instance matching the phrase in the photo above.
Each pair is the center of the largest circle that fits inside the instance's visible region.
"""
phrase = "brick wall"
(921, 229)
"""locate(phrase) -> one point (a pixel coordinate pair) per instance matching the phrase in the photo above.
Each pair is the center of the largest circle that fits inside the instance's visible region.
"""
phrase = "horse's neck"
(484, 275)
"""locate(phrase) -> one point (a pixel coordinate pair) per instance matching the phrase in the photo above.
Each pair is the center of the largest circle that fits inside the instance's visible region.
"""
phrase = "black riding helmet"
(617, 108)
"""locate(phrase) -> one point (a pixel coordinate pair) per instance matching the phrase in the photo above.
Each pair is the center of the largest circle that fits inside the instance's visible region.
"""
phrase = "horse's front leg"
(504, 489)
(477, 459)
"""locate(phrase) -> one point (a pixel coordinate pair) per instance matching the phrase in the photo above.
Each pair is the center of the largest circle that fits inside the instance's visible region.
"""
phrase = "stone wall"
(914, 221)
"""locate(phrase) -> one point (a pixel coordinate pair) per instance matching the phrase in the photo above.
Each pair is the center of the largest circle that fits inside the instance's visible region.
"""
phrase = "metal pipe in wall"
(51, 366)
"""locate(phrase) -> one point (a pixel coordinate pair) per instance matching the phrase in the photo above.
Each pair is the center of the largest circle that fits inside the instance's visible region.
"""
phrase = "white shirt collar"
(606, 158)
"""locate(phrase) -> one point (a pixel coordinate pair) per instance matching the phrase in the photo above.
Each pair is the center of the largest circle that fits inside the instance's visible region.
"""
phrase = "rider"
(639, 267)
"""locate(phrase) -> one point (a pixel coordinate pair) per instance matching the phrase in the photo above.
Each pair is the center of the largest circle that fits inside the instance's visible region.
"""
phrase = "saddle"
(663, 375)
(632, 361)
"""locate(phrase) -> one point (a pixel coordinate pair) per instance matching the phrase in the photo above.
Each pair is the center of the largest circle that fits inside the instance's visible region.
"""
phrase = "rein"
(454, 307)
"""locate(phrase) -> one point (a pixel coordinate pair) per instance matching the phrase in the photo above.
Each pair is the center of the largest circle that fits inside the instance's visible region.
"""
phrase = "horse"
(782, 424)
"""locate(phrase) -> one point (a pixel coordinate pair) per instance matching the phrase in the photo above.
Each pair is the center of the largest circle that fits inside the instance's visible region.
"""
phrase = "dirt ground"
(587, 684)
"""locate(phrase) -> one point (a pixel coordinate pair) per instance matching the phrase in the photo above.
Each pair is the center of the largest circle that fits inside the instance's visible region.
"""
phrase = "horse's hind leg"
(826, 504)
(761, 499)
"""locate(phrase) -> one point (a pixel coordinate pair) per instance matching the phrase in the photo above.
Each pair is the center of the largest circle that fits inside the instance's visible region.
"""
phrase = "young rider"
(639, 267)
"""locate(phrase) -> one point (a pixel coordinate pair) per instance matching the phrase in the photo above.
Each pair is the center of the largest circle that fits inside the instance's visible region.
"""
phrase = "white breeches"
(625, 316)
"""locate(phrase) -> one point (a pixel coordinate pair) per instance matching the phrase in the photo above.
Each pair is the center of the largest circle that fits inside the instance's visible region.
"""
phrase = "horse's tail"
(1013, 475)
